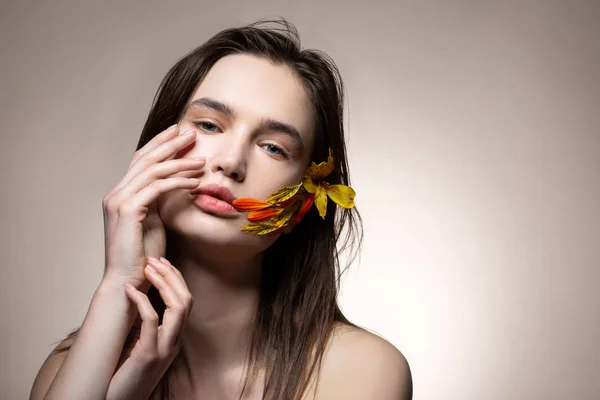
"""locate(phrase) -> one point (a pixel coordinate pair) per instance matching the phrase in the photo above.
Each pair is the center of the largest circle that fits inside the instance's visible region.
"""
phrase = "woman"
(230, 314)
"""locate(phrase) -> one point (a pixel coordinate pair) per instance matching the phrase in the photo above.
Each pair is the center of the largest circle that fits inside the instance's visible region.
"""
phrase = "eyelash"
(199, 124)
(282, 152)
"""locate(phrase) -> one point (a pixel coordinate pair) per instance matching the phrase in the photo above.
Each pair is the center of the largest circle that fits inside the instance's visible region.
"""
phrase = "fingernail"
(153, 259)
(189, 131)
(130, 287)
(165, 260)
(149, 268)
(172, 128)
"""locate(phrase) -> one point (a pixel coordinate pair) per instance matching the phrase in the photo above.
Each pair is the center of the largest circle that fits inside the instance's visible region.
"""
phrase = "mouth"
(217, 191)
(214, 199)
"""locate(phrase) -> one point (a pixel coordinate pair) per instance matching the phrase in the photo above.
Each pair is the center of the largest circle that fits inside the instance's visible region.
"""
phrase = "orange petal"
(248, 204)
(265, 213)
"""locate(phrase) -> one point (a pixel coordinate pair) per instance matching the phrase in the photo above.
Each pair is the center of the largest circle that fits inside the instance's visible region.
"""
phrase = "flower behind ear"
(323, 169)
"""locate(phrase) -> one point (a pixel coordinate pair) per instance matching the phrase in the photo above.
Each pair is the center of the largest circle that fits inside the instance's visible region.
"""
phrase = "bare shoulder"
(49, 368)
(361, 365)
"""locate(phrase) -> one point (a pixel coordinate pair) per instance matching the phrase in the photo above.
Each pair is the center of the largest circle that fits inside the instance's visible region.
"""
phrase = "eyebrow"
(266, 123)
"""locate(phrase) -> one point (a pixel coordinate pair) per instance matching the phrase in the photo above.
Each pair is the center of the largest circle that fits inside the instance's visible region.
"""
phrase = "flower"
(290, 204)
(313, 183)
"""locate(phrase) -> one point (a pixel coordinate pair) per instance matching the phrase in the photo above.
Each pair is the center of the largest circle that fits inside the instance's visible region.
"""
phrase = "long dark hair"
(301, 270)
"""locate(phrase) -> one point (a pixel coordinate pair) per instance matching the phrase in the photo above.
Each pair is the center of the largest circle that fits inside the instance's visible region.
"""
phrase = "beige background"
(475, 152)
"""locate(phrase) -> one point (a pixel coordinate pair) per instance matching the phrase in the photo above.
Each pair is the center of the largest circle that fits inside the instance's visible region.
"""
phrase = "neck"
(226, 292)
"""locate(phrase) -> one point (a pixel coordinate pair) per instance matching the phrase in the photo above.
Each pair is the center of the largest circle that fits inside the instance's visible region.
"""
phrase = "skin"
(219, 266)
(225, 283)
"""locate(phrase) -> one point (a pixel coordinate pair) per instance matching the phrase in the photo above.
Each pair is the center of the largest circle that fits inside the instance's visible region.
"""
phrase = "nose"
(231, 162)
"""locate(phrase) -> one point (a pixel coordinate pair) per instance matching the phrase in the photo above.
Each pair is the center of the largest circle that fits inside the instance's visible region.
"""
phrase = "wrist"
(110, 286)
(112, 282)
(111, 293)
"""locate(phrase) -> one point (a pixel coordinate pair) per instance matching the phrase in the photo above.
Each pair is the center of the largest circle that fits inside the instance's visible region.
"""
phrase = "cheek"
(168, 204)
(203, 146)
(266, 177)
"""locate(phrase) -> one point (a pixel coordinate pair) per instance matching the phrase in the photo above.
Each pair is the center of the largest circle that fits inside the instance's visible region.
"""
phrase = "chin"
(212, 233)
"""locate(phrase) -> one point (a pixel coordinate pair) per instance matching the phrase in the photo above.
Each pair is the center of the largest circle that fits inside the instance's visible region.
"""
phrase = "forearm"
(93, 357)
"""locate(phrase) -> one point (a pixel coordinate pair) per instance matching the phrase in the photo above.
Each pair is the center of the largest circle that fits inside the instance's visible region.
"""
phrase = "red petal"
(307, 204)
(304, 208)
(288, 201)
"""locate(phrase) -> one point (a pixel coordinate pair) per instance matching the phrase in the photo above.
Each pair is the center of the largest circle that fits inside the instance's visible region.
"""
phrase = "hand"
(146, 358)
(132, 227)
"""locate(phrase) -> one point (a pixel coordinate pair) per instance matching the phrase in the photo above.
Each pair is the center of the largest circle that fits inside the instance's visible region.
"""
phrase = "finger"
(152, 192)
(174, 277)
(149, 317)
(158, 154)
(156, 141)
(163, 151)
(164, 260)
(175, 311)
(167, 169)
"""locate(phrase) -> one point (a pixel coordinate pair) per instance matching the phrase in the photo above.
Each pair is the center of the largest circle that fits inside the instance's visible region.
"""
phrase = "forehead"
(254, 88)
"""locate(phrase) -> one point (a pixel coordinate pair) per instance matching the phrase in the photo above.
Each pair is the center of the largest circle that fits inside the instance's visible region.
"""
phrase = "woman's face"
(254, 125)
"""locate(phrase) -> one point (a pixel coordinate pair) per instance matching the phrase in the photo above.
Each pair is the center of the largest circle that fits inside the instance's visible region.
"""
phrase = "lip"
(214, 199)
(217, 191)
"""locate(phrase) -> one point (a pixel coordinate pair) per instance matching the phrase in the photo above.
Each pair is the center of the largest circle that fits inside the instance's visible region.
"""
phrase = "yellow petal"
(321, 200)
(320, 171)
(308, 183)
(275, 223)
(284, 216)
(284, 194)
(259, 229)
(341, 194)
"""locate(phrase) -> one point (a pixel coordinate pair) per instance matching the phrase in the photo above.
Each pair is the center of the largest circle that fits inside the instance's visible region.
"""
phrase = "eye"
(207, 126)
(274, 150)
